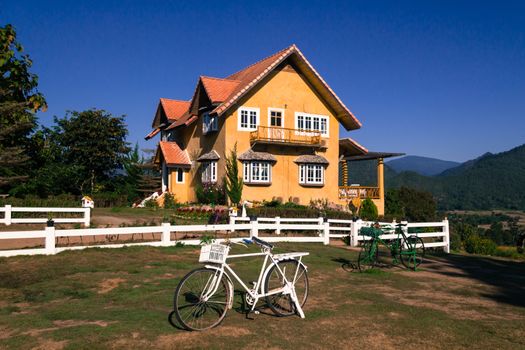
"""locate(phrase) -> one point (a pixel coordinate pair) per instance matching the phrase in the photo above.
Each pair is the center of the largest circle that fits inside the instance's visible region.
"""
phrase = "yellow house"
(285, 121)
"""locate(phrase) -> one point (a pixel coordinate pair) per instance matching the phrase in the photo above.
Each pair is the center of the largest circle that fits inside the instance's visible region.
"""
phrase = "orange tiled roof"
(229, 90)
(219, 89)
(350, 147)
(174, 109)
(173, 155)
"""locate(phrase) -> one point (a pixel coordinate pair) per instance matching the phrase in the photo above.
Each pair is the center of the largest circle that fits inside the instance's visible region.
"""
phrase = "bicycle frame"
(257, 292)
(396, 243)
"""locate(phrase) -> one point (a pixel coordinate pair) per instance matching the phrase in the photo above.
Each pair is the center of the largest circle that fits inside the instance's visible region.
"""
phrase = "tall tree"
(233, 181)
(149, 179)
(19, 101)
(94, 141)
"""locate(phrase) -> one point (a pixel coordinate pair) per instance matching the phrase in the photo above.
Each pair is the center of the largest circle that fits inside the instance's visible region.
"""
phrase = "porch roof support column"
(344, 171)
(381, 184)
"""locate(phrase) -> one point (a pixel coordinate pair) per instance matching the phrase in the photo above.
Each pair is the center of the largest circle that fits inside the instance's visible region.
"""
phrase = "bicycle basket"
(214, 253)
(371, 232)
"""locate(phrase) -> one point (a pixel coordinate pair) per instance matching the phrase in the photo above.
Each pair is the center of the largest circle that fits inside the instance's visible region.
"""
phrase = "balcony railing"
(286, 136)
(350, 192)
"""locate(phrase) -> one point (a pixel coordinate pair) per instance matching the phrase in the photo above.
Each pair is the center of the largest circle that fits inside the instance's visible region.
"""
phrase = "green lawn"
(121, 298)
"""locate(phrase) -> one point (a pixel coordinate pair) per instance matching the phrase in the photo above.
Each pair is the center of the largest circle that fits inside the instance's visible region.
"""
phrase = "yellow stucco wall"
(183, 192)
(285, 88)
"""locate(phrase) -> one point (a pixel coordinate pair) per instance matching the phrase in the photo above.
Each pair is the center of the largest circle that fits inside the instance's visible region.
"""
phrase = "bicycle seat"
(262, 243)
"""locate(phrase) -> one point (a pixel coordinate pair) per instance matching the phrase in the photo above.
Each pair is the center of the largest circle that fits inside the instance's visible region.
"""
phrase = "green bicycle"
(409, 250)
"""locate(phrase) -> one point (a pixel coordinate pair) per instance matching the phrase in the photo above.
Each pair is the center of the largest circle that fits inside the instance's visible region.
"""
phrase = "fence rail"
(8, 218)
(323, 230)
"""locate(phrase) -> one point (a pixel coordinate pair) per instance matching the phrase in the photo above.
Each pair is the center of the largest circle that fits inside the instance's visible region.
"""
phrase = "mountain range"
(491, 181)
(421, 165)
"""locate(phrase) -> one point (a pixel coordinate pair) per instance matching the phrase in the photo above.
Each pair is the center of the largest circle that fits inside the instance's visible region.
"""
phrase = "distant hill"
(464, 166)
(492, 181)
(421, 165)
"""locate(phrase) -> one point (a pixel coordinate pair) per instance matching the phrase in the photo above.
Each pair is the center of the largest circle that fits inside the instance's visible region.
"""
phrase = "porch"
(366, 177)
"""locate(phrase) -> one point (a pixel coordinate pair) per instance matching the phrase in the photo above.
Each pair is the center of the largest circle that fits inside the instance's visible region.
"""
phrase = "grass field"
(121, 298)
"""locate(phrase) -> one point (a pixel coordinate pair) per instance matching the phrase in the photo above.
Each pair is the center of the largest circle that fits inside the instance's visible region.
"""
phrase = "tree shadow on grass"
(507, 277)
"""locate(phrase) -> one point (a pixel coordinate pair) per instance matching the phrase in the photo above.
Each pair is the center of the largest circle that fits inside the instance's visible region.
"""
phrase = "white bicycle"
(204, 295)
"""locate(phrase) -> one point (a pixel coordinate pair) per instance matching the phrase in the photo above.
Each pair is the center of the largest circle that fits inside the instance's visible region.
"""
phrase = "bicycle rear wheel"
(192, 310)
(368, 256)
(282, 305)
(412, 252)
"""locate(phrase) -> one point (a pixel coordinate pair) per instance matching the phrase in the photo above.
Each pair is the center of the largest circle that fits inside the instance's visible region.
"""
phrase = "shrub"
(368, 210)
(455, 241)
(210, 194)
(152, 203)
(274, 203)
(320, 204)
(233, 183)
(474, 244)
(294, 212)
(170, 202)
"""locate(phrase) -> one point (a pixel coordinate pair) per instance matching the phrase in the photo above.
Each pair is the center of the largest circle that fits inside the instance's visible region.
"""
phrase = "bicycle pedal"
(256, 312)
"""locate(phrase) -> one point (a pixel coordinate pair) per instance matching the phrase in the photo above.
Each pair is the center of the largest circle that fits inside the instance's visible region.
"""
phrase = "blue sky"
(443, 79)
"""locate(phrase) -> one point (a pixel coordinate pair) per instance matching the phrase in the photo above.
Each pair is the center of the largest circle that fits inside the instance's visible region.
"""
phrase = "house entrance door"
(276, 130)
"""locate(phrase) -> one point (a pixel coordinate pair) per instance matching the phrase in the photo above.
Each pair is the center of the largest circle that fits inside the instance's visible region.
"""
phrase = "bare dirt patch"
(171, 341)
(50, 344)
(180, 339)
(6, 333)
(66, 324)
(109, 284)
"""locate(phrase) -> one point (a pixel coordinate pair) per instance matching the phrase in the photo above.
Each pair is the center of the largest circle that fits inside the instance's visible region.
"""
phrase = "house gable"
(253, 75)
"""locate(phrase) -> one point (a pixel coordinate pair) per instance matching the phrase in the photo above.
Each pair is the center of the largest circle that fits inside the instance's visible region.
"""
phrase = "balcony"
(286, 137)
(350, 192)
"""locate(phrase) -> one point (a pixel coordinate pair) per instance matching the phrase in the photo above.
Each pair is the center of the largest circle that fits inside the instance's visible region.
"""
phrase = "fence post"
(278, 223)
(254, 230)
(232, 223)
(446, 230)
(7, 214)
(87, 216)
(356, 225)
(326, 233)
(50, 240)
(320, 221)
(166, 234)
(404, 227)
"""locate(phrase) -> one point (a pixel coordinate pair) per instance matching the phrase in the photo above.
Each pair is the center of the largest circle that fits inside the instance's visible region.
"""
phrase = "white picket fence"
(322, 231)
(8, 218)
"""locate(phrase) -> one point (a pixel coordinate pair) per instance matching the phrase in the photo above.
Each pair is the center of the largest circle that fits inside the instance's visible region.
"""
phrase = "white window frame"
(249, 169)
(304, 174)
(209, 172)
(272, 109)
(177, 170)
(308, 118)
(249, 126)
(209, 123)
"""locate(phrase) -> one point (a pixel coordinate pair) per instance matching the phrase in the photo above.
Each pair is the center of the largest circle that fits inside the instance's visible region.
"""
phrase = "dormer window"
(209, 123)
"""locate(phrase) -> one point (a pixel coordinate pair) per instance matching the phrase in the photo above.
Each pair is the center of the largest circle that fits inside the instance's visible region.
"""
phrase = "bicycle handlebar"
(259, 242)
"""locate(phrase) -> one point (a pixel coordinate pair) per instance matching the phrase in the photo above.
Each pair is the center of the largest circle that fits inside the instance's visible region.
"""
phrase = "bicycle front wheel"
(368, 256)
(412, 252)
(281, 304)
(193, 309)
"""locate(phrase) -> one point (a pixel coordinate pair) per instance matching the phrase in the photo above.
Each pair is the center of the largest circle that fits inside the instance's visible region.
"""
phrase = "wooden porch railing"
(278, 135)
(358, 192)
